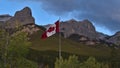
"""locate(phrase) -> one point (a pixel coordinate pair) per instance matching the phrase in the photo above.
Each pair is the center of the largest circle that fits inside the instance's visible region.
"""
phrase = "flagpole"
(59, 41)
(59, 45)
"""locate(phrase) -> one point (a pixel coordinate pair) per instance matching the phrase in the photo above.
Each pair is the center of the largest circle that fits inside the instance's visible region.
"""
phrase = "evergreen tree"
(13, 50)
(90, 63)
(73, 62)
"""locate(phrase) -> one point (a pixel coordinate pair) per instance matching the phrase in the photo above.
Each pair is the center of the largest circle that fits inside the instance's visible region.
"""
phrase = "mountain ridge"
(83, 28)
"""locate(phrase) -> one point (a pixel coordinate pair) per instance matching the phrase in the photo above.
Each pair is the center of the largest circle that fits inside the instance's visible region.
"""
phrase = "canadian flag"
(52, 29)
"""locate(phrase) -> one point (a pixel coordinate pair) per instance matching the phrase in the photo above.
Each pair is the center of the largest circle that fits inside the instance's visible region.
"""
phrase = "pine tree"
(13, 50)
(73, 62)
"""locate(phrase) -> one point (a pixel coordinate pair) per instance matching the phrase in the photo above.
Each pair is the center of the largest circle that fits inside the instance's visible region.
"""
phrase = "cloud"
(102, 12)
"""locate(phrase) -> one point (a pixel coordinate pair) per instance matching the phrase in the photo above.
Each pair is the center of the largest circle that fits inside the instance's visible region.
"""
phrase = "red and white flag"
(52, 29)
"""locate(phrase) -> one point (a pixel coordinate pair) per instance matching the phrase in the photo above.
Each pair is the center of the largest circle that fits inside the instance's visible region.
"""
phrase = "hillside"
(84, 29)
(78, 38)
(68, 46)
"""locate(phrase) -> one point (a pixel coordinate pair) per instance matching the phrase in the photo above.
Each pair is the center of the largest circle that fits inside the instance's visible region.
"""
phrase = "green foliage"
(73, 62)
(24, 63)
(19, 45)
(90, 63)
(67, 46)
(44, 47)
(13, 50)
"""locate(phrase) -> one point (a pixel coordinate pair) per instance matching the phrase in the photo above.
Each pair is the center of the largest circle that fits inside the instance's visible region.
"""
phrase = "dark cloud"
(101, 12)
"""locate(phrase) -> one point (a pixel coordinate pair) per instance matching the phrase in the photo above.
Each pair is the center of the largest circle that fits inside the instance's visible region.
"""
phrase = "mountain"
(46, 51)
(80, 31)
(115, 39)
(68, 46)
(84, 28)
(4, 18)
(78, 27)
(22, 17)
(84, 31)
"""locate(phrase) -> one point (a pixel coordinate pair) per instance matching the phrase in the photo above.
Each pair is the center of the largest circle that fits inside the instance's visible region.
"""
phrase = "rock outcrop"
(81, 31)
(22, 17)
(115, 38)
(85, 28)
(3, 19)
(30, 29)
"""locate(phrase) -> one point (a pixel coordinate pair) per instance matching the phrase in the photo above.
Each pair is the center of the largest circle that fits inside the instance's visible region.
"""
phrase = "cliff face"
(3, 19)
(115, 38)
(77, 30)
(84, 27)
(22, 17)
(85, 31)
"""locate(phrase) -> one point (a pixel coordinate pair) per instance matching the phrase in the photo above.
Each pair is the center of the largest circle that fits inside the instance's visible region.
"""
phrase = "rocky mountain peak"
(115, 38)
(87, 24)
(117, 33)
(86, 21)
(22, 17)
(84, 27)
(72, 21)
(5, 17)
(24, 12)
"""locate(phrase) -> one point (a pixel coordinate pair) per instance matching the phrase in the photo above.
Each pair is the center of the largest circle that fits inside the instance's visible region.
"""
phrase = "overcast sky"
(104, 14)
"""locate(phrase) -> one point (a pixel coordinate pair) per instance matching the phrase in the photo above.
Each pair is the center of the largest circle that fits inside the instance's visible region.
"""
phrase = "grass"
(46, 51)
(68, 46)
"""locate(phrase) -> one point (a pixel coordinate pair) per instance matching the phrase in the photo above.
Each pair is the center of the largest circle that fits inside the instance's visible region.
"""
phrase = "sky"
(104, 14)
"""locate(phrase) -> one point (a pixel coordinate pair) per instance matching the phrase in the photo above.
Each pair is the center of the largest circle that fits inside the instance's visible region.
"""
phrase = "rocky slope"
(4, 18)
(82, 31)
(85, 28)
(21, 18)
(115, 38)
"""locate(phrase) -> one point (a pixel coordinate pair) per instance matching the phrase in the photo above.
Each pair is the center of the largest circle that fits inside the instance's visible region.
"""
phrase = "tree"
(13, 50)
(3, 44)
(73, 62)
(90, 63)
